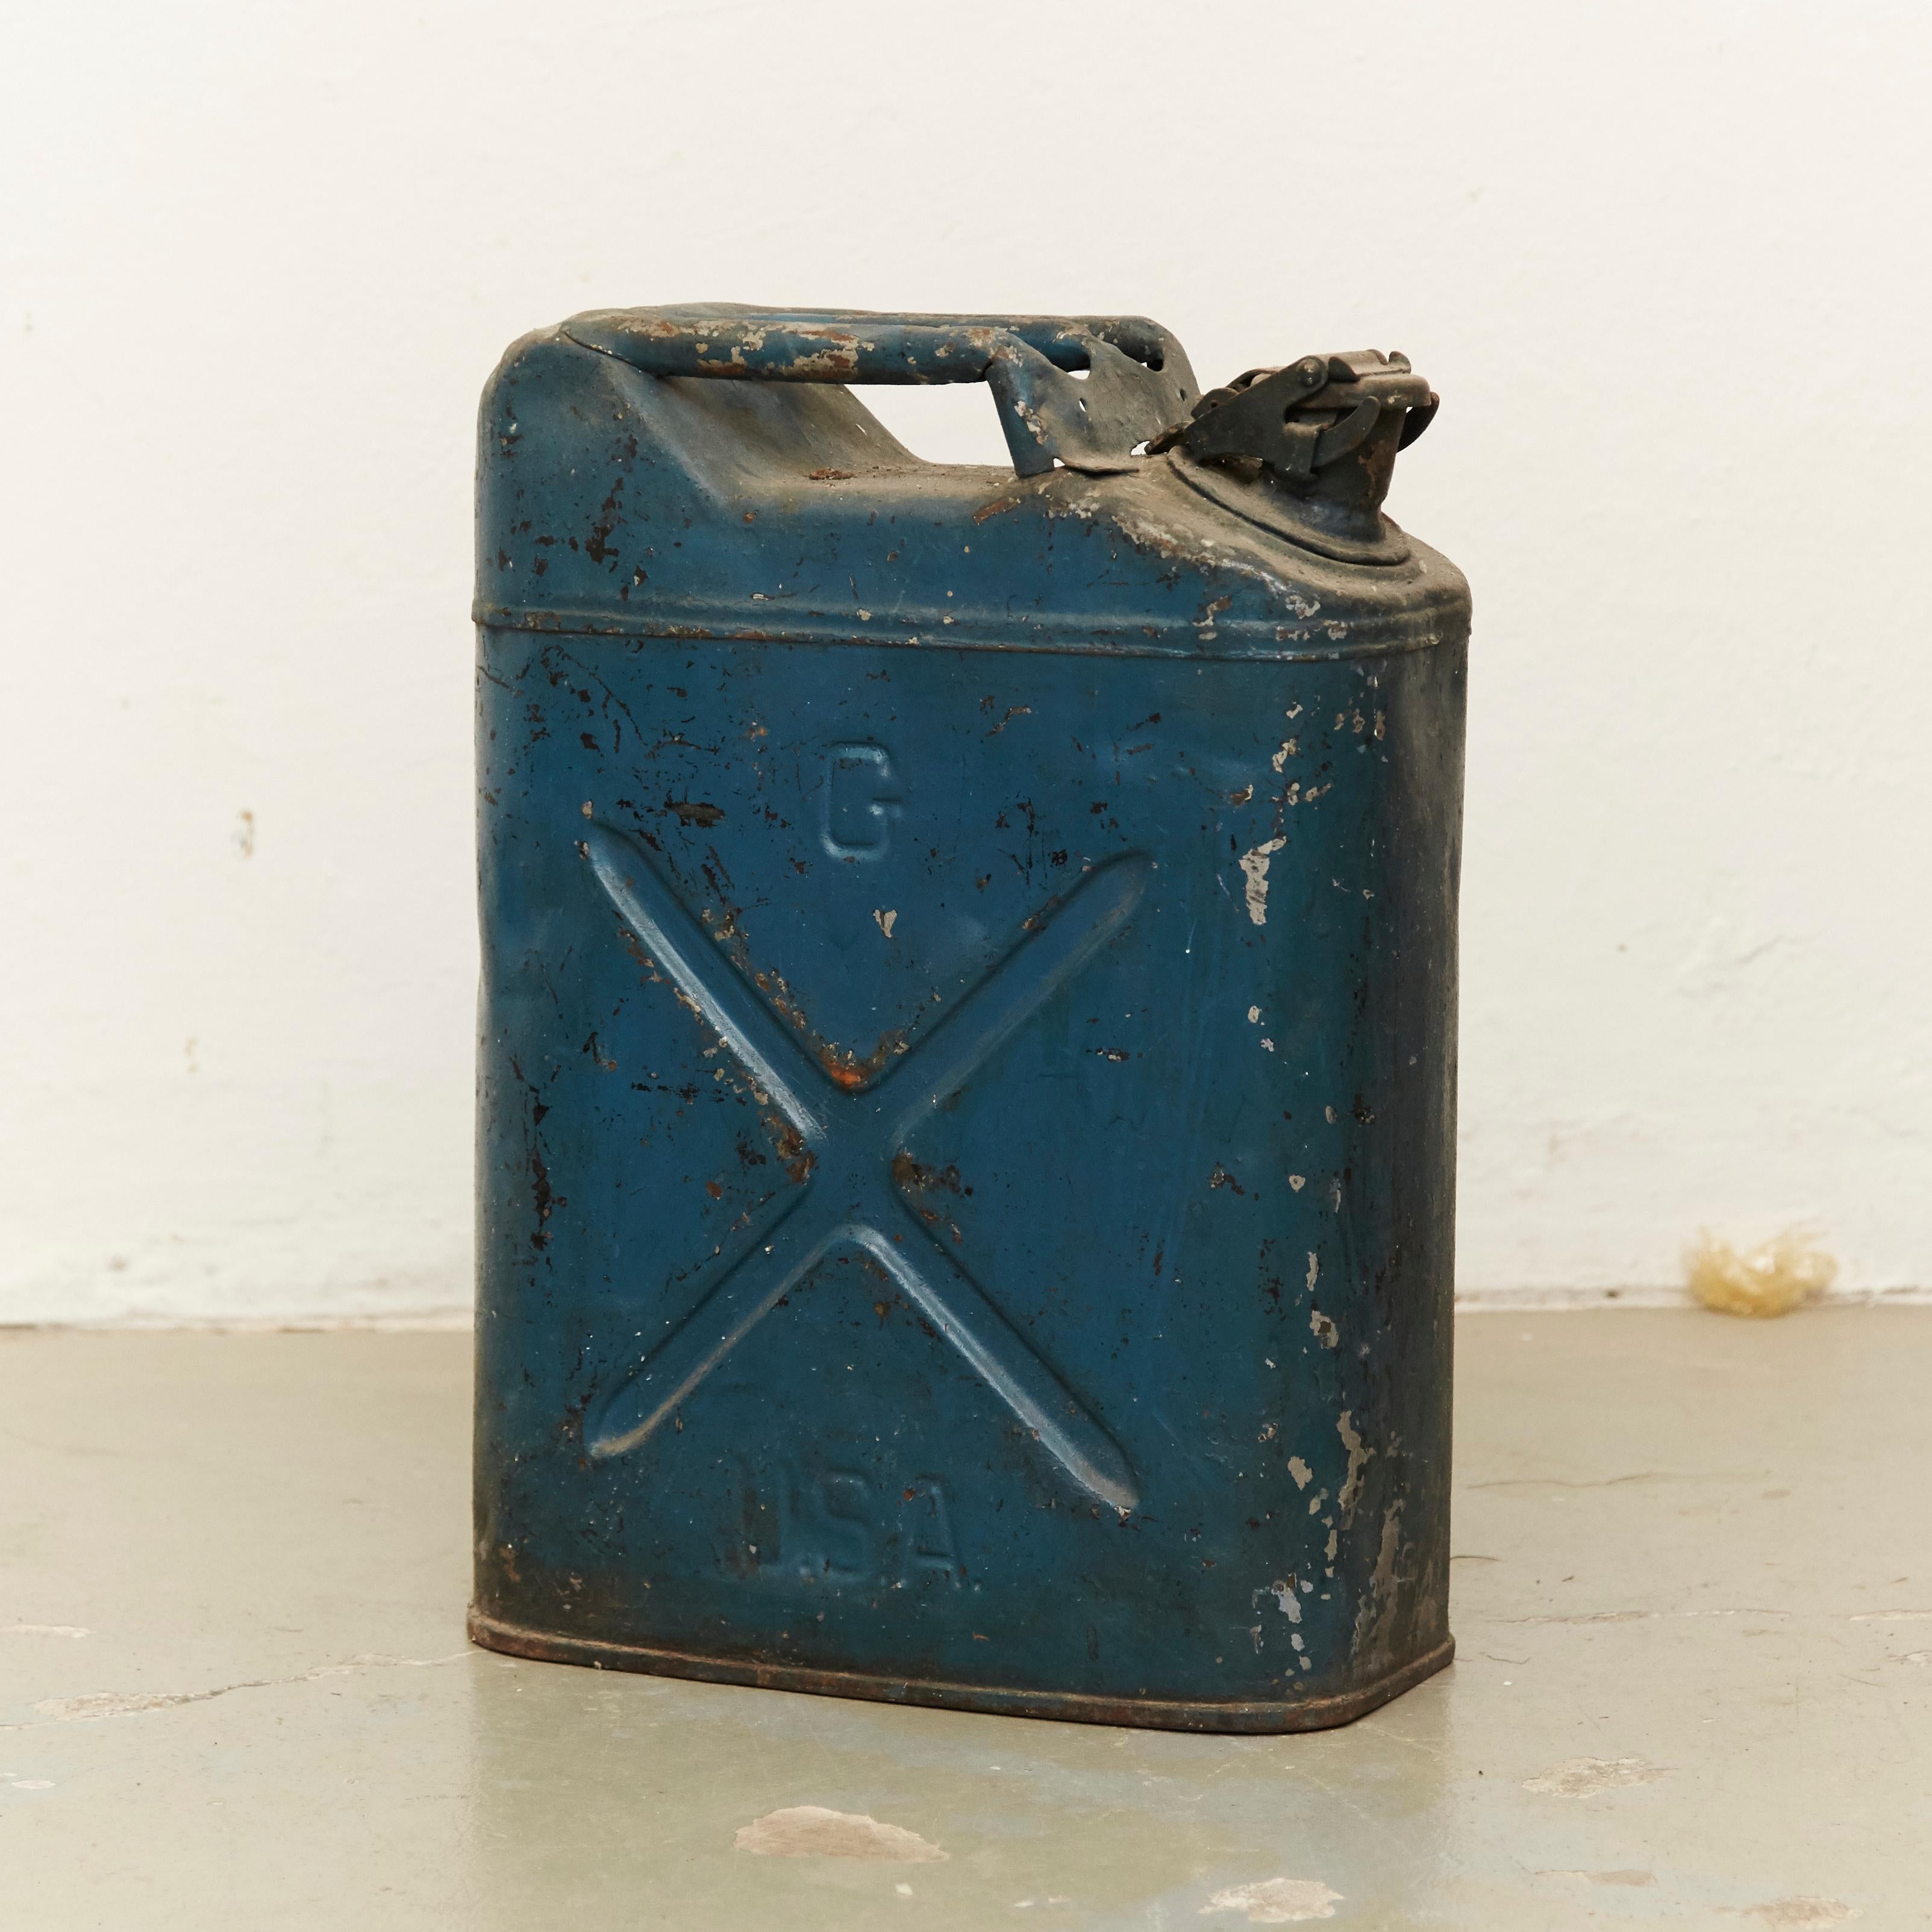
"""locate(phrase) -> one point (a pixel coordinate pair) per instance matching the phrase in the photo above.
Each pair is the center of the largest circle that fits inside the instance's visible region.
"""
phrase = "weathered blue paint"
(968, 1047)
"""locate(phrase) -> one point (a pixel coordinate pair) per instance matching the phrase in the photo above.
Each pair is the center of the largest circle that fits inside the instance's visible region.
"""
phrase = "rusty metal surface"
(1307, 451)
(1137, 378)
(1269, 1716)
(967, 1059)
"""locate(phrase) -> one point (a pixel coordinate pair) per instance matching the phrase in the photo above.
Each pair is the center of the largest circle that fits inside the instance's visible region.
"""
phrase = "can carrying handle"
(1085, 391)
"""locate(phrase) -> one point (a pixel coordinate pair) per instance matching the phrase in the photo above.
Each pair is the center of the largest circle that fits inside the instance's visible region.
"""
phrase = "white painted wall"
(1666, 263)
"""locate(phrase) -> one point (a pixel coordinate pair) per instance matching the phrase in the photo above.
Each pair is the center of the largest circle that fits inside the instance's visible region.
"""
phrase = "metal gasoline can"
(967, 1099)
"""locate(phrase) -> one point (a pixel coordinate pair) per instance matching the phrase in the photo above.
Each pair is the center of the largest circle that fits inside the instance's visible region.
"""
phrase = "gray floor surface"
(1693, 1598)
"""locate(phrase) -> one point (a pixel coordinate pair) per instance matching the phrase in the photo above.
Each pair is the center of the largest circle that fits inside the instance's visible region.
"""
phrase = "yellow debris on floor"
(1782, 1274)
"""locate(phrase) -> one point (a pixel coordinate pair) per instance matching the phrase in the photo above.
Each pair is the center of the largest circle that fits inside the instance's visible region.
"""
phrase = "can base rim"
(1266, 1716)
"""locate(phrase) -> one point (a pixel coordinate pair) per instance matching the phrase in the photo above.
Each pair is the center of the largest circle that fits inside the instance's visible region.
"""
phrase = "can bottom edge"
(1078, 1707)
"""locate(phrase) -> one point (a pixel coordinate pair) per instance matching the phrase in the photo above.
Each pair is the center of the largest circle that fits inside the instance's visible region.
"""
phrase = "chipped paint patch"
(1376, 1615)
(1585, 1777)
(812, 1831)
(1255, 871)
(1302, 1474)
(887, 921)
(1276, 1901)
(1283, 1593)
(1358, 1462)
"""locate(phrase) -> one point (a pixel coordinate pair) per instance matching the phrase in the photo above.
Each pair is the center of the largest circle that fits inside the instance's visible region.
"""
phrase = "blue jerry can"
(967, 1099)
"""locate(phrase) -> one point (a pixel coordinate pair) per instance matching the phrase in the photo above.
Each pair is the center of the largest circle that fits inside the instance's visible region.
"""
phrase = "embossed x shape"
(850, 1198)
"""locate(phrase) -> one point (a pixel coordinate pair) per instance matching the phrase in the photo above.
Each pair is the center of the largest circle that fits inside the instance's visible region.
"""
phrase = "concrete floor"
(1694, 1599)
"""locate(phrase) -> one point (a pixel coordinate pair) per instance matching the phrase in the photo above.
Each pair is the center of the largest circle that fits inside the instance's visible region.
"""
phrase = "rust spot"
(695, 811)
(634, 947)
(716, 1192)
(848, 1070)
(994, 508)
(852, 1071)
(772, 984)
(916, 1178)
(794, 1156)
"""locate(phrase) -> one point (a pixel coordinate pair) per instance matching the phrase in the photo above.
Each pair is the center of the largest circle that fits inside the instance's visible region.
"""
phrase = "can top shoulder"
(614, 499)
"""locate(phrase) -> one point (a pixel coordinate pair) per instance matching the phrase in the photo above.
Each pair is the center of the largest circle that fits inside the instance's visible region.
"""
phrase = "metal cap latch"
(1300, 418)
